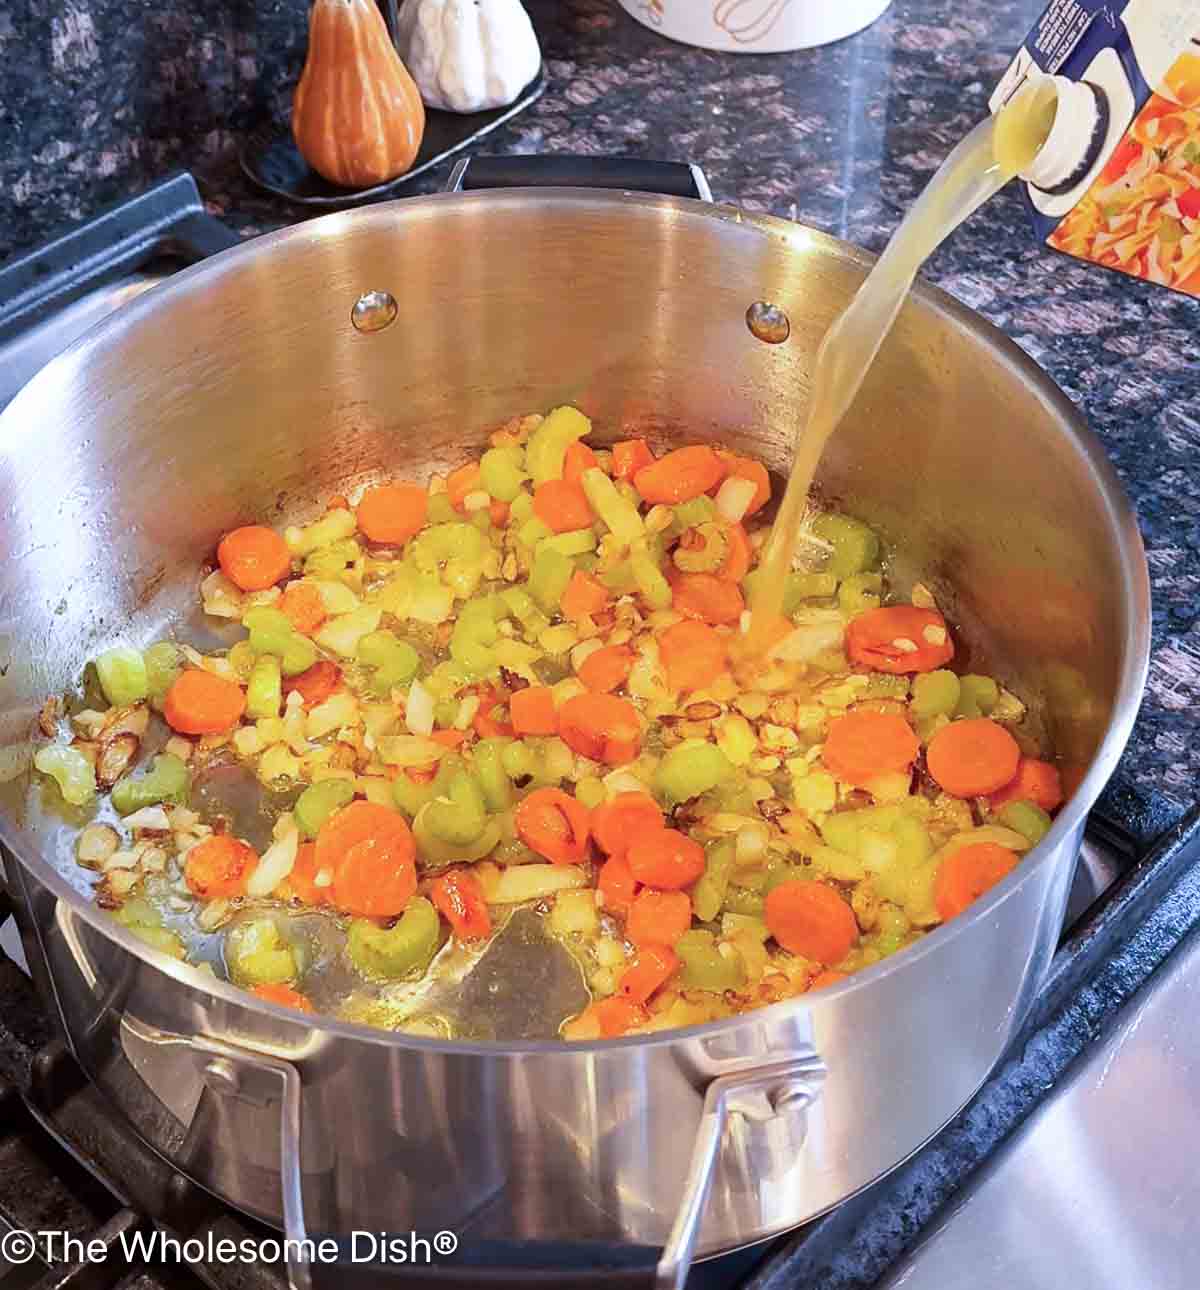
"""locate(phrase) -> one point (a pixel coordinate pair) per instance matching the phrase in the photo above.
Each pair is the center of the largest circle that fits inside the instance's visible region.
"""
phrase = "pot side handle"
(629, 174)
(759, 1093)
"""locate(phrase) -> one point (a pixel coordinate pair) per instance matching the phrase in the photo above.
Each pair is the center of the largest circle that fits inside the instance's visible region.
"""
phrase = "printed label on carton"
(1137, 208)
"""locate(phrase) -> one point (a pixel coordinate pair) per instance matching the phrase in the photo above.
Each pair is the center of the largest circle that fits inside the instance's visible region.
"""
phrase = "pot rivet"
(768, 323)
(373, 311)
(221, 1076)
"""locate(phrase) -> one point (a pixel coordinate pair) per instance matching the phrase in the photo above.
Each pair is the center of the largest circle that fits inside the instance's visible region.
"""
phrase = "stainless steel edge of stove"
(236, 379)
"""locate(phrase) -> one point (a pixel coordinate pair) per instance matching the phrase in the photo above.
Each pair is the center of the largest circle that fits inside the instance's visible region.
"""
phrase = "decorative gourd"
(357, 116)
(468, 55)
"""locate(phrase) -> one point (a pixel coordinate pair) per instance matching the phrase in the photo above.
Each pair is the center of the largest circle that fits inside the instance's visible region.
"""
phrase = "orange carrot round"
(316, 684)
(584, 596)
(1036, 781)
(449, 738)
(630, 456)
(737, 562)
(459, 897)
(650, 971)
(692, 654)
(254, 558)
(392, 513)
(498, 512)
(665, 858)
(810, 919)
(284, 996)
(602, 727)
(967, 873)
(680, 475)
(201, 703)
(823, 980)
(554, 824)
(658, 917)
(533, 712)
(607, 669)
(562, 506)
(301, 883)
(616, 884)
(899, 639)
(616, 824)
(708, 597)
(972, 758)
(861, 746)
(302, 603)
(462, 481)
(218, 867)
(371, 854)
(617, 1015)
(579, 457)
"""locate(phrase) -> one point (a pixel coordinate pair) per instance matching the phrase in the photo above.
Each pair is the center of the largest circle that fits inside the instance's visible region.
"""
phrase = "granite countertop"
(842, 138)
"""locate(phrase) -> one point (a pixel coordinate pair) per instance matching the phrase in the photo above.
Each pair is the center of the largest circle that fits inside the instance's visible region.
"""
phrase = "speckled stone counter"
(99, 97)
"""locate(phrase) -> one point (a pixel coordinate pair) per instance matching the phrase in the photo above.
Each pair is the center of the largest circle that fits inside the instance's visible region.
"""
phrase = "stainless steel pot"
(244, 388)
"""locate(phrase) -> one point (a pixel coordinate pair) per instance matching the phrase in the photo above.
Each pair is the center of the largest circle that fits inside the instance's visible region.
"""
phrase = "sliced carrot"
(650, 971)
(616, 824)
(302, 603)
(665, 858)
(756, 473)
(630, 456)
(899, 639)
(812, 920)
(680, 475)
(486, 725)
(393, 513)
(607, 669)
(301, 883)
(617, 885)
(562, 506)
(449, 738)
(533, 711)
(602, 727)
(316, 684)
(658, 917)
(823, 980)
(284, 996)
(579, 457)
(863, 745)
(338, 503)
(371, 854)
(693, 654)
(584, 596)
(218, 867)
(706, 596)
(972, 758)
(460, 482)
(498, 513)
(201, 703)
(737, 562)
(459, 897)
(254, 558)
(1035, 781)
(967, 873)
(554, 824)
(617, 1015)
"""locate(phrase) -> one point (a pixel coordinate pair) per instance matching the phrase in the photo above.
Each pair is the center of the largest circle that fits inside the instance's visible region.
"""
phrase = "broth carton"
(1118, 181)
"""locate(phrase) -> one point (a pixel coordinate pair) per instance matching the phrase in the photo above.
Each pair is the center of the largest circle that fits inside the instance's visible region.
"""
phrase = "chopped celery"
(145, 922)
(434, 850)
(299, 655)
(163, 662)
(521, 508)
(459, 816)
(691, 768)
(341, 635)
(1027, 819)
(855, 546)
(534, 532)
(518, 760)
(704, 967)
(441, 510)
(577, 542)
(409, 795)
(264, 693)
(618, 512)
(935, 693)
(699, 510)
(391, 953)
(744, 900)
(840, 831)
(241, 658)
(416, 595)
(814, 793)
(546, 451)
(393, 661)
(619, 577)
(257, 953)
(271, 630)
(319, 801)
(648, 576)
(475, 635)
(978, 696)
(123, 677)
(330, 528)
(332, 561)
(591, 792)
(520, 604)
(705, 552)
(166, 780)
(70, 770)
(798, 588)
(493, 778)
(500, 473)
(860, 592)
(708, 895)
(433, 546)
(548, 579)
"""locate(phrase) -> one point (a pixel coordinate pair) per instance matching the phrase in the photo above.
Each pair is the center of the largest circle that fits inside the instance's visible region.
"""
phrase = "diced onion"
(750, 846)
(418, 714)
(149, 817)
(523, 882)
(409, 750)
(276, 863)
(477, 501)
(220, 597)
(734, 498)
(466, 712)
(811, 638)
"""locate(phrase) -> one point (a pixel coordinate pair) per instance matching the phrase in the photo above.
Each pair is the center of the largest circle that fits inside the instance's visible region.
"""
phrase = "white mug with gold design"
(756, 26)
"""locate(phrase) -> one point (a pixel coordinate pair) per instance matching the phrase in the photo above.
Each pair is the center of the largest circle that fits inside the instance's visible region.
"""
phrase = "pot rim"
(1119, 511)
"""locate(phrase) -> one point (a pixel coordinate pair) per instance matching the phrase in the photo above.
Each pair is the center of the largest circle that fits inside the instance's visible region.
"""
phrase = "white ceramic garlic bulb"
(468, 55)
